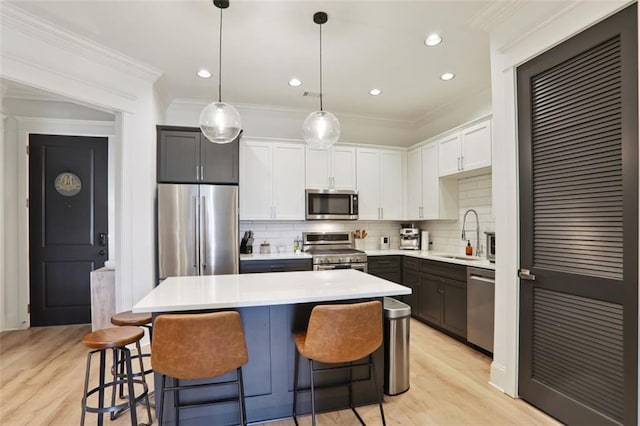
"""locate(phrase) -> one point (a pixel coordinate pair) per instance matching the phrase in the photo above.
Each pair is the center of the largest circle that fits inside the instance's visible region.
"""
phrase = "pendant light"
(321, 128)
(220, 122)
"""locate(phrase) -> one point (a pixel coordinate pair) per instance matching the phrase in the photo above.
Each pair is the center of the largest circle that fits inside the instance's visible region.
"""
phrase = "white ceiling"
(366, 44)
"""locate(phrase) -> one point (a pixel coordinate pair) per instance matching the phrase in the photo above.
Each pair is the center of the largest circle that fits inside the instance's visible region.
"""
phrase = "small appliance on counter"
(491, 246)
(384, 243)
(409, 238)
(246, 245)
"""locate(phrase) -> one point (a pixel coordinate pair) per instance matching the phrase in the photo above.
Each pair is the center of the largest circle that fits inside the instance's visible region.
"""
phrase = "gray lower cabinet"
(443, 296)
(411, 279)
(284, 265)
(184, 155)
(387, 267)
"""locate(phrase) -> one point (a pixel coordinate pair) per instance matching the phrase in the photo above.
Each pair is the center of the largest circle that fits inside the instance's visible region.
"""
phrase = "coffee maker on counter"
(409, 237)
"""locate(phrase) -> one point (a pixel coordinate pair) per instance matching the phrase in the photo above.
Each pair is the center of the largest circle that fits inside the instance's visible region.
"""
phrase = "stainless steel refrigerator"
(197, 230)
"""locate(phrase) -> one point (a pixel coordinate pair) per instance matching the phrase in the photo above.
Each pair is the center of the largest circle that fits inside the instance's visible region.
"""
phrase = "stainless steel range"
(333, 250)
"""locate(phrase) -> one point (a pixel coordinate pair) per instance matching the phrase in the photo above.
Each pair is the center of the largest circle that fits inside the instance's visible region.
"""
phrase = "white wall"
(37, 54)
(521, 37)
(473, 193)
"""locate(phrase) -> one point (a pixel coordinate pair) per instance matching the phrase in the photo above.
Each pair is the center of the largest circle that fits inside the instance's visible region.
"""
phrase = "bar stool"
(117, 339)
(340, 334)
(196, 347)
(125, 319)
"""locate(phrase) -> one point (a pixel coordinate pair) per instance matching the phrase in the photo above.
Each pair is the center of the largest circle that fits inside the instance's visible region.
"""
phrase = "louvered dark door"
(578, 137)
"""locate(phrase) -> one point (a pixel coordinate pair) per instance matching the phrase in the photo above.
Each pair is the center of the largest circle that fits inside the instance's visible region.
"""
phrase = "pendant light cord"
(220, 61)
(321, 67)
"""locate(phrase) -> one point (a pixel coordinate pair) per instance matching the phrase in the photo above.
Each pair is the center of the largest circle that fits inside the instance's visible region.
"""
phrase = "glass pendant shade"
(321, 129)
(220, 122)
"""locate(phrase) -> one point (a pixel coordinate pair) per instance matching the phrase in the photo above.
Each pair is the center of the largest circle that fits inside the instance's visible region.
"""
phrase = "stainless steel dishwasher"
(480, 307)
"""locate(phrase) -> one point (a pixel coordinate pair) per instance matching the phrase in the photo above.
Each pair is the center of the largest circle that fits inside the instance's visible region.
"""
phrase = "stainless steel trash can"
(396, 349)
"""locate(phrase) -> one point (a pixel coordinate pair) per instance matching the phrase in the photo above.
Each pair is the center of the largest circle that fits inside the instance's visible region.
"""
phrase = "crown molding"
(363, 119)
(445, 108)
(26, 23)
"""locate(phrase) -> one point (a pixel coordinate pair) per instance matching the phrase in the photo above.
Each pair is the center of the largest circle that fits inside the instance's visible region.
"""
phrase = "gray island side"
(271, 306)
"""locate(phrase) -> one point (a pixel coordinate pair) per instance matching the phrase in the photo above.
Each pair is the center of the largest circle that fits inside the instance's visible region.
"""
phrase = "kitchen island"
(271, 305)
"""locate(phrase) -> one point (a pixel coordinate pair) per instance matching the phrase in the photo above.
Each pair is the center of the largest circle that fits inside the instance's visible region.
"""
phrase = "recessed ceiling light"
(375, 92)
(447, 76)
(204, 73)
(294, 82)
(433, 40)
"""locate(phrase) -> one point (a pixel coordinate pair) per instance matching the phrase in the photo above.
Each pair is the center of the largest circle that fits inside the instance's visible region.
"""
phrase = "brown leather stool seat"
(340, 334)
(197, 347)
(116, 339)
(129, 318)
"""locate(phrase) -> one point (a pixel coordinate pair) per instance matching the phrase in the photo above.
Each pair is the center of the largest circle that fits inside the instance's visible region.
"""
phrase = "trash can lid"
(395, 309)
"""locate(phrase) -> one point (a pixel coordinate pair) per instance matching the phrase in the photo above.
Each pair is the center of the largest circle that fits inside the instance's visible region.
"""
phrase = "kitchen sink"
(457, 257)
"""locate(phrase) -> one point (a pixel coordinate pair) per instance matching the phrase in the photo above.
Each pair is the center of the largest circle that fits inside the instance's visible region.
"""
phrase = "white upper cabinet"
(428, 196)
(414, 184)
(476, 143)
(379, 177)
(465, 150)
(271, 187)
(333, 168)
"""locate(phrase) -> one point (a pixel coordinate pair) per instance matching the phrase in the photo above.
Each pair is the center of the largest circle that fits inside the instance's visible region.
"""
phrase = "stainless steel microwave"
(322, 204)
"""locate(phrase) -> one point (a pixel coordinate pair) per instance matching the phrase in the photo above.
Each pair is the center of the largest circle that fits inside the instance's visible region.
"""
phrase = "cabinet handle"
(381, 212)
(462, 163)
(201, 172)
(197, 173)
(458, 163)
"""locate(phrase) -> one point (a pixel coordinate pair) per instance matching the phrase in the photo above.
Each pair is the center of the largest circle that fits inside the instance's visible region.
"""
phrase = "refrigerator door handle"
(203, 216)
(195, 232)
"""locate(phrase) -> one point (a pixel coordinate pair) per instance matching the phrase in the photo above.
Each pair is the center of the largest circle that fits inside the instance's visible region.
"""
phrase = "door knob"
(101, 252)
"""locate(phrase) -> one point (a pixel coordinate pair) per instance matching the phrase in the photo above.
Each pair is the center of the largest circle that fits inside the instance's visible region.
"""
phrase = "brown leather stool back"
(342, 333)
(198, 346)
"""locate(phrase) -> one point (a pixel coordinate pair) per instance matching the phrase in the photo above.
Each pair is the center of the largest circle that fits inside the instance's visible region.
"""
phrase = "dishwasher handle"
(482, 279)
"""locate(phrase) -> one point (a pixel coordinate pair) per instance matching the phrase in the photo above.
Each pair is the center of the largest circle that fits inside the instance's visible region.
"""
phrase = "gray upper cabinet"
(186, 156)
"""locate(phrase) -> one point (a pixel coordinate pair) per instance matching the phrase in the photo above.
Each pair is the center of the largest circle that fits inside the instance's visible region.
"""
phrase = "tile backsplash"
(445, 235)
(474, 193)
(283, 233)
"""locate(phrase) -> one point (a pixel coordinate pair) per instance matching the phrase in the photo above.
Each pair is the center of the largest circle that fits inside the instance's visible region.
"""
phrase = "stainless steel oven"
(322, 204)
(359, 266)
(333, 250)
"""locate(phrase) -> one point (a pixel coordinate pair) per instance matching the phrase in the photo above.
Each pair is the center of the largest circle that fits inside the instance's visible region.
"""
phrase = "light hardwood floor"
(42, 373)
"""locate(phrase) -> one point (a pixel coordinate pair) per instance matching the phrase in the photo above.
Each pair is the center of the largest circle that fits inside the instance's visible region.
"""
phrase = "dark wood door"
(67, 225)
(578, 147)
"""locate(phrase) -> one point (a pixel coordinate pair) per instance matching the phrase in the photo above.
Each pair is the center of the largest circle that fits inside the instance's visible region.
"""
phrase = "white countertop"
(434, 255)
(277, 288)
(275, 256)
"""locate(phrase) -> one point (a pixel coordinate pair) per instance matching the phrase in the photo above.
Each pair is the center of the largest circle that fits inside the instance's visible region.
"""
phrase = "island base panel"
(268, 376)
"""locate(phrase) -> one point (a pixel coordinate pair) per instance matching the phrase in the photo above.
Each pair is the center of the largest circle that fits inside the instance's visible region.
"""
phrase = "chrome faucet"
(464, 232)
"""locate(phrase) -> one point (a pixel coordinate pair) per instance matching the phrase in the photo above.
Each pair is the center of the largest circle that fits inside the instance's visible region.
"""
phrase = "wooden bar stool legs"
(116, 339)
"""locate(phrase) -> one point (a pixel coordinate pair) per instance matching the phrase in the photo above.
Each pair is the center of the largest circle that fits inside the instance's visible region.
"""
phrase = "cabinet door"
(287, 184)
(430, 182)
(318, 168)
(219, 161)
(449, 152)
(476, 146)
(178, 156)
(454, 306)
(255, 180)
(430, 299)
(390, 185)
(343, 167)
(368, 184)
(414, 184)
(410, 278)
